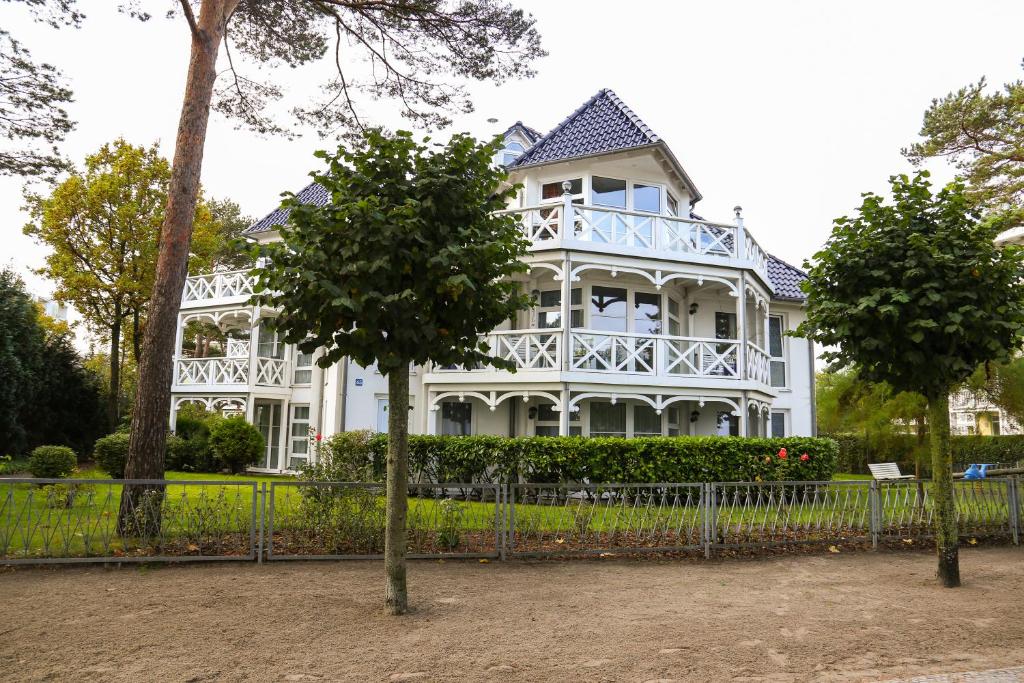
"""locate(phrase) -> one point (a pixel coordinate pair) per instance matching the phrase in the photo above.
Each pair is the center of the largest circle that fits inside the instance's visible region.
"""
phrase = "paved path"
(1014, 675)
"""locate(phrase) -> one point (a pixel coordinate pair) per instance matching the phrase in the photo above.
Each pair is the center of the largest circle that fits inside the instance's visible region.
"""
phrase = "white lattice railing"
(271, 372)
(757, 256)
(655, 355)
(211, 371)
(238, 348)
(218, 286)
(634, 229)
(758, 364)
(528, 349)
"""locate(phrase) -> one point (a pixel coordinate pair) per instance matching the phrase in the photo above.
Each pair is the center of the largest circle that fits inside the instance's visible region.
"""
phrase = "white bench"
(887, 470)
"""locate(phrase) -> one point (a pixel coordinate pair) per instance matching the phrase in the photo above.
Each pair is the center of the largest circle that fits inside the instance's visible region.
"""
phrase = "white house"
(650, 320)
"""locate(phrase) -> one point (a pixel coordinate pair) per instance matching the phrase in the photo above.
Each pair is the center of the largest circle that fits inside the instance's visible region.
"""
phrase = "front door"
(382, 415)
(267, 417)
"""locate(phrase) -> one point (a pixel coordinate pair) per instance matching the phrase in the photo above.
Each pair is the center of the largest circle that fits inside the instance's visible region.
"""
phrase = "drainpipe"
(343, 396)
(814, 390)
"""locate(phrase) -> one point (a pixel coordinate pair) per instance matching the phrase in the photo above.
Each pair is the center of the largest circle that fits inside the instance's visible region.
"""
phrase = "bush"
(111, 453)
(194, 452)
(855, 451)
(345, 456)
(236, 443)
(992, 449)
(574, 458)
(52, 462)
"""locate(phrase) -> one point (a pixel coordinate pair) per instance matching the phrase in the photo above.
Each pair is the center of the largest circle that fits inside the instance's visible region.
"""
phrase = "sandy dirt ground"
(842, 617)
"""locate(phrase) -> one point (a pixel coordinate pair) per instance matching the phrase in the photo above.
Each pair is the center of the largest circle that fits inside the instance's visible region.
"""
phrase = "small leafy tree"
(407, 263)
(915, 293)
(236, 443)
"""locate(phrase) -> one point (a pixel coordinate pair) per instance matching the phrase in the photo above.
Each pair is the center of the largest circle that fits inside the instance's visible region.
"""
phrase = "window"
(270, 344)
(548, 420)
(674, 325)
(778, 423)
(608, 309)
(607, 419)
(646, 421)
(456, 418)
(299, 451)
(303, 367)
(674, 413)
(776, 349)
(513, 150)
(673, 205)
(646, 198)
(553, 191)
(725, 328)
(646, 313)
(550, 314)
(728, 424)
(608, 192)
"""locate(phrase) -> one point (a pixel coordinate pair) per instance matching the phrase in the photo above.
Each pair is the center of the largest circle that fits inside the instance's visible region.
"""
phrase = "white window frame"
(472, 416)
(296, 368)
(785, 350)
(293, 439)
(786, 428)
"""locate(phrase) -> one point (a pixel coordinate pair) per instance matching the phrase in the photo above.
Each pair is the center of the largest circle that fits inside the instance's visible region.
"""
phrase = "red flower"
(782, 453)
(319, 437)
(804, 457)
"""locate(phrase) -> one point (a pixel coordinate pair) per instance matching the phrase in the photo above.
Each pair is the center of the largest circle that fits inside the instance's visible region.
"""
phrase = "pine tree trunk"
(396, 597)
(943, 499)
(153, 395)
(114, 400)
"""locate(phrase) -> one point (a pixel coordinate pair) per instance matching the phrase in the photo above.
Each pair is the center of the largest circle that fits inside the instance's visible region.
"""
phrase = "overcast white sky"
(791, 109)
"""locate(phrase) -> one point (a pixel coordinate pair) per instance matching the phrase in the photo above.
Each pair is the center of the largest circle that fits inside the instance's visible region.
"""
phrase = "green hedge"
(855, 451)
(574, 458)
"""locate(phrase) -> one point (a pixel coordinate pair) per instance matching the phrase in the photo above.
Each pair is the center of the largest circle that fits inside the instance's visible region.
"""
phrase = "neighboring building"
(973, 413)
(53, 308)
(650, 320)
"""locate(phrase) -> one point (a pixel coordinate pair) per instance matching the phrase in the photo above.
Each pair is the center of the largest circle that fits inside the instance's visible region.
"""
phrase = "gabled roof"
(601, 125)
(786, 280)
(314, 193)
(530, 134)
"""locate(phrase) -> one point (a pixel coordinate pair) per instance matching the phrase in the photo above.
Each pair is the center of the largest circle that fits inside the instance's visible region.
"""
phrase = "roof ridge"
(547, 136)
(633, 116)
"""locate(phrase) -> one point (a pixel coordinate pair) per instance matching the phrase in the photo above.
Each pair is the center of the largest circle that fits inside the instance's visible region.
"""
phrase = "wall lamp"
(694, 416)
(693, 308)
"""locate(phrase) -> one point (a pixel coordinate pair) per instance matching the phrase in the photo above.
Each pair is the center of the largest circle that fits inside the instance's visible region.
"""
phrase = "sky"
(790, 109)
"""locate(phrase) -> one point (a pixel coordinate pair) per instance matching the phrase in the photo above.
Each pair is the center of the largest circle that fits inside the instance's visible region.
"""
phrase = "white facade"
(675, 326)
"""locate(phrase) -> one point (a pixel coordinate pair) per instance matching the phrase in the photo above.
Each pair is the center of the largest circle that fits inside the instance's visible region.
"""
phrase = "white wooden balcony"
(656, 235)
(211, 289)
(230, 373)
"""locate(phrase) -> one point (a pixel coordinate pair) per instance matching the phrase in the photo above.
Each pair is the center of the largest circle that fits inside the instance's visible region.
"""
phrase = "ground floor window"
(299, 450)
(646, 421)
(547, 421)
(778, 423)
(728, 424)
(607, 419)
(456, 418)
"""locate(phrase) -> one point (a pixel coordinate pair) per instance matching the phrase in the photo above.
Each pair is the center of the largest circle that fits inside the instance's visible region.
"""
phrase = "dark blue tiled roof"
(603, 124)
(310, 194)
(786, 279)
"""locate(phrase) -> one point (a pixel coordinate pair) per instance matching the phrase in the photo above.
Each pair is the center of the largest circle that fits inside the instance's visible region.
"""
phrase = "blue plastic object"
(975, 471)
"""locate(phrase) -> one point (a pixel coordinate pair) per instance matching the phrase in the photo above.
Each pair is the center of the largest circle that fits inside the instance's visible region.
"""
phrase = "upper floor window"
(271, 344)
(608, 192)
(776, 349)
(550, 192)
(513, 150)
(549, 314)
(303, 367)
(646, 198)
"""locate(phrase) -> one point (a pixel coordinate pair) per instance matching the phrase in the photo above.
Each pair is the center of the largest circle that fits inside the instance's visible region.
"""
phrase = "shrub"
(345, 456)
(111, 453)
(855, 451)
(236, 443)
(194, 453)
(52, 462)
(575, 458)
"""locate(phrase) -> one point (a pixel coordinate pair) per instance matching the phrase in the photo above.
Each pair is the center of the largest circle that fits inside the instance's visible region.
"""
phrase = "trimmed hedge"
(52, 462)
(111, 453)
(573, 458)
(855, 452)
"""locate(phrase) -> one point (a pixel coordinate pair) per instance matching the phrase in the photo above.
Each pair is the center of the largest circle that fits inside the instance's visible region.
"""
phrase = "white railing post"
(741, 322)
(741, 233)
(568, 218)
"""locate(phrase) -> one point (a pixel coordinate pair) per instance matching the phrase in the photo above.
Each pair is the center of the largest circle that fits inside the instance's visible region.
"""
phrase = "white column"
(283, 441)
(254, 340)
(741, 326)
(431, 413)
(563, 417)
(741, 233)
(316, 401)
(743, 415)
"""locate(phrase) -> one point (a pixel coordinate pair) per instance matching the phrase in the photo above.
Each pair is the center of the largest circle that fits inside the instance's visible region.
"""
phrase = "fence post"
(874, 513)
(502, 519)
(1013, 491)
(707, 512)
(263, 511)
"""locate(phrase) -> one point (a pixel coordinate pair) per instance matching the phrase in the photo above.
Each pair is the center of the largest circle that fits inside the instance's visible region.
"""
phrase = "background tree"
(417, 53)
(847, 404)
(46, 395)
(406, 264)
(103, 225)
(1003, 385)
(982, 133)
(916, 294)
(32, 99)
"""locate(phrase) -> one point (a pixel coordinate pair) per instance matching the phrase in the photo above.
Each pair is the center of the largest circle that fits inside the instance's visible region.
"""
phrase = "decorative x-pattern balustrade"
(218, 286)
(528, 350)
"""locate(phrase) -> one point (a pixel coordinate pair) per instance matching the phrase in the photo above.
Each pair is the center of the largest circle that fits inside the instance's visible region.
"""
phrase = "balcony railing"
(637, 230)
(655, 355)
(213, 286)
(270, 372)
(758, 364)
(528, 349)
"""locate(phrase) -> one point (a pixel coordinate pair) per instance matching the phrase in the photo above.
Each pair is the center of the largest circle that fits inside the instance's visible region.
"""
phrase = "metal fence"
(334, 520)
(60, 520)
(64, 520)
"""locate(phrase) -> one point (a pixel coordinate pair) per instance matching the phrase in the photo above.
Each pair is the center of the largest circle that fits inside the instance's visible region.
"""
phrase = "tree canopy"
(982, 133)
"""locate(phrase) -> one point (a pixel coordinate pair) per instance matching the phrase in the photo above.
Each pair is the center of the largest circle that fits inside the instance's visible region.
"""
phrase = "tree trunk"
(114, 400)
(396, 597)
(943, 499)
(136, 337)
(153, 395)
